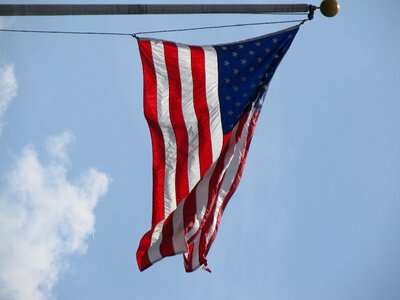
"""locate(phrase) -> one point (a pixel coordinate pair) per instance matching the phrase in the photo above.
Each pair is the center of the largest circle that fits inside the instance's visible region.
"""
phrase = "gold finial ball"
(329, 8)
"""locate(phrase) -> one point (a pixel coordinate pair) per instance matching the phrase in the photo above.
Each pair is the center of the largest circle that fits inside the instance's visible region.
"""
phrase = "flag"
(201, 104)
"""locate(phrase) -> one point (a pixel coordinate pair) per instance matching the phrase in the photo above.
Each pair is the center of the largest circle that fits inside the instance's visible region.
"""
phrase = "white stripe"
(189, 114)
(178, 236)
(201, 201)
(232, 163)
(156, 238)
(195, 254)
(211, 71)
(166, 126)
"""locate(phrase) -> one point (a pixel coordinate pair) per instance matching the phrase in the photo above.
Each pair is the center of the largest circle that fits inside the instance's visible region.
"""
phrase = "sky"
(316, 215)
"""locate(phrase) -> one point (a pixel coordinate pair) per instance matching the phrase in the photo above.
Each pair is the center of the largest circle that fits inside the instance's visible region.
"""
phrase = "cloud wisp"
(8, 89)
(44, 218)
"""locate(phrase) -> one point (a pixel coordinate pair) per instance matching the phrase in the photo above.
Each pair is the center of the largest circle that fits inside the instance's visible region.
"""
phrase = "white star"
(243, 61)
(275, 40)
(243, 78)
(235, 88)
(237, 103)
(234, 54)
(227, 80)
(258, 44)
(276, 56)
(267, 50)
(228, 98)
(236, 70)
(224, 48)
(230, 113)
(251, 52)
(290, 36)
(253, 85)
(251, 69)
(241, 46)
(259, 59)
(245, 95)
(226, 63)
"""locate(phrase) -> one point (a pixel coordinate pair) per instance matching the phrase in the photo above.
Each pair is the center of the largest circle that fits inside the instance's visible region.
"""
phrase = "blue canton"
(245, 70)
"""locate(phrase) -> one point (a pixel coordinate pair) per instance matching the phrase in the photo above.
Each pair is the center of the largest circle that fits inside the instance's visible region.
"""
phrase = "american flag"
(201, 104)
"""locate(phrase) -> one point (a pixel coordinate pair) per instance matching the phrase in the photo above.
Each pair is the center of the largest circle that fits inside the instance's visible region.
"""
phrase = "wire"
(220, 26)
(149, 32)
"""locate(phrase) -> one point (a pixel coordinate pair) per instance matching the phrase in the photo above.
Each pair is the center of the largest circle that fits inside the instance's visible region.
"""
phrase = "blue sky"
(317, 213)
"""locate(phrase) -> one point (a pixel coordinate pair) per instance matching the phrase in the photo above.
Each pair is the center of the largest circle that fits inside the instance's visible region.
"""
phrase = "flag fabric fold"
(201, 104)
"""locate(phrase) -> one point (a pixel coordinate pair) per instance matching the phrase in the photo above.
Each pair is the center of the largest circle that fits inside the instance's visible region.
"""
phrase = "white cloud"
(8, 89)
(44, 218)
(56, 145)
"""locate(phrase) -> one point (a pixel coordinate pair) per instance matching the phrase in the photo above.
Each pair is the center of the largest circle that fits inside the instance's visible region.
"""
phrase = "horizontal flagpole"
(145, 9)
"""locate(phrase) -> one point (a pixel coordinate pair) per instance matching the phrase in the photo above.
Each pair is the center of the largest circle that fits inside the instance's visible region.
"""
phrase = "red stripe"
(150, 112)
(201, 108)
(188, 259)
(189, 210)
(167, 244)
(177, 121)
(142, 258)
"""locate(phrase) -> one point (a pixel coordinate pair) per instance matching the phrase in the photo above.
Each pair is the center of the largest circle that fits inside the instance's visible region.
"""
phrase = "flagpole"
(144, 9)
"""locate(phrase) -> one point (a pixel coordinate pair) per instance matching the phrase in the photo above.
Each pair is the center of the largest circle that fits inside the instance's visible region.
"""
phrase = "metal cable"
(134, 34)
